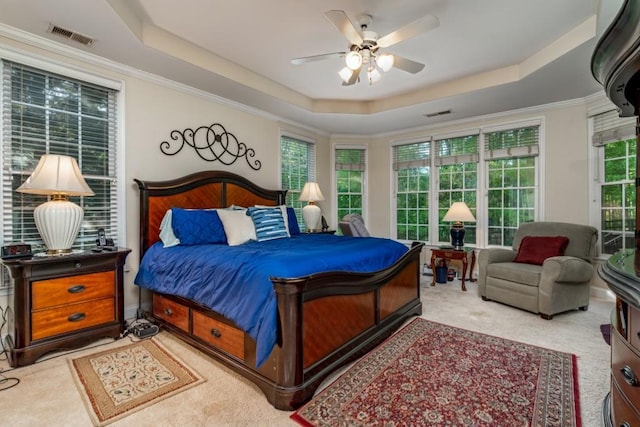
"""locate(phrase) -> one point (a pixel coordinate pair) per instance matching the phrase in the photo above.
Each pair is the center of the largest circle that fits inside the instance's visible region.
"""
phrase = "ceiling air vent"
(71, 35)
(439, 113)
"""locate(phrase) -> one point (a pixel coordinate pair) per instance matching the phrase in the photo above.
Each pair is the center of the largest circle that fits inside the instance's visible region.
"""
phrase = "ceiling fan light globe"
(353, 60)
(385, 61)
(373, 75)
(345, 74)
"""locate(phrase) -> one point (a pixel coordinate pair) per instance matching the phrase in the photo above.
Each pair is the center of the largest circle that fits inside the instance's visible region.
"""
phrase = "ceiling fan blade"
(422, 25)
(314, 58)
(407, 65)
(344, 25)
(355, 77)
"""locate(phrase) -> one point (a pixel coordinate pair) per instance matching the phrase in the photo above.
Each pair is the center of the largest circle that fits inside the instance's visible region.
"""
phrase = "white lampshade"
(373, 75)
(385, 61)
(311, 193)
(311, 213)
(353, 60)
(459, 212)
(58, 220)
(345, 74)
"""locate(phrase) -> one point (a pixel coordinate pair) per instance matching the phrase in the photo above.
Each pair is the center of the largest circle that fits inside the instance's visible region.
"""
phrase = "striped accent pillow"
(268, 222)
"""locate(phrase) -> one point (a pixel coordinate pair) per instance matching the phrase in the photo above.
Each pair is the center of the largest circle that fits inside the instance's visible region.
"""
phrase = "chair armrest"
(567, 269)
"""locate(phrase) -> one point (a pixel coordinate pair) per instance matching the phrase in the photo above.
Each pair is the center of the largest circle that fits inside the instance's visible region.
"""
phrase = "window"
(350, 166)
(48, 113)
(615, 140)
(511, 157)
(297, 166)
(411, 164)
(457, 161)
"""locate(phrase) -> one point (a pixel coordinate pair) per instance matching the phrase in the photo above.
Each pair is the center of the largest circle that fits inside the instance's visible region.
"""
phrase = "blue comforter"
(234, 280)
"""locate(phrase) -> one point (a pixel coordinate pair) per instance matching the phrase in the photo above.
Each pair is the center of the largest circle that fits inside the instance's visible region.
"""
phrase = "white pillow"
(238, 226)
(285, 216)
(166, 231)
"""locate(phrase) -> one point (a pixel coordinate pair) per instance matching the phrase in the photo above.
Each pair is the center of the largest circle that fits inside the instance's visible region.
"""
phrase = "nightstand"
(63, 301)
(465, 255)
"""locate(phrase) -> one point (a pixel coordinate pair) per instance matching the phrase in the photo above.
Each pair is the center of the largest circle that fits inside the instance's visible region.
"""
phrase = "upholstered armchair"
(353, 225)
(548, 270)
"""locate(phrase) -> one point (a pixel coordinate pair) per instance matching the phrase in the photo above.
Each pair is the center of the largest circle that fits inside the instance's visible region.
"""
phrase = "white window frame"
(365, 179)
(57, 67)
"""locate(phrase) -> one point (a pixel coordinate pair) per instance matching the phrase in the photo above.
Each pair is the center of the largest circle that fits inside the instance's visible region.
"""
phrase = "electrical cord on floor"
(5, 382)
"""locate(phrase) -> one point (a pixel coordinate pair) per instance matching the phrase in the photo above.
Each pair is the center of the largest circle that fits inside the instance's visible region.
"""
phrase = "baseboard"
(131, 311)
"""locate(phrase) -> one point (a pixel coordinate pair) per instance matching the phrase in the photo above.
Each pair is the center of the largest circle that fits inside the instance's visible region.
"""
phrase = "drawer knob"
(78, 265)
(629, 377)
(76, 317)
(216, 333)
(76, 289)
(625, 424)
(168, 311)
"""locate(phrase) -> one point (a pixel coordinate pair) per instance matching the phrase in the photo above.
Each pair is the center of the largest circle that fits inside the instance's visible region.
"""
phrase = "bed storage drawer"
(219, 334)
(171, 312)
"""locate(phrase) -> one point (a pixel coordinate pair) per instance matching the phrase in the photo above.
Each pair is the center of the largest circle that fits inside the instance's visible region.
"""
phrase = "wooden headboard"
(206, 189)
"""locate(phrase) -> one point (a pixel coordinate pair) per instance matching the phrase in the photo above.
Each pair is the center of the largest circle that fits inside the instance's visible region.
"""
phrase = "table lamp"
(57, 220)
(458, 213)
(311, 213)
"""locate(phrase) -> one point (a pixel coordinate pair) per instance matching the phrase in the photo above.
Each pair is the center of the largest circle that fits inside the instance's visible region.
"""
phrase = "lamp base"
(457, 236)
(58, 222)
(311, 214)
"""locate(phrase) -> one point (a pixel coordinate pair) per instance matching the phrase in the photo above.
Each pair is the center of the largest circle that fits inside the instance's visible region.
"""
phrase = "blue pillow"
(197, 226)
(268, 222)
(294, 228)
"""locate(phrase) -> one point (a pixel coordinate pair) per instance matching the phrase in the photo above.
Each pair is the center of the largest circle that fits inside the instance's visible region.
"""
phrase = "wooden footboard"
(324, 321)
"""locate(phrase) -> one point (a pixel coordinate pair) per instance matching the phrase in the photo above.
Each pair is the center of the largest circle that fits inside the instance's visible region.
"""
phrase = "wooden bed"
(324, 321)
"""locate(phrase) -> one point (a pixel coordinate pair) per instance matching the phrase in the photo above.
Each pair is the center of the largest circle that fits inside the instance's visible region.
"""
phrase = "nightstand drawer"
(223, 336)
(72, 289)
(54, 321)
(171, 312)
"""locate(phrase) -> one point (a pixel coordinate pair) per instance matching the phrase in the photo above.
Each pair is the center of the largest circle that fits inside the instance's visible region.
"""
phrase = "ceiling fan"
(364, 45)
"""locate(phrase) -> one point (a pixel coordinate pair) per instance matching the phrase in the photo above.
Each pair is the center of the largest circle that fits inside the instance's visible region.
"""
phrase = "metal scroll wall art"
(211, 143)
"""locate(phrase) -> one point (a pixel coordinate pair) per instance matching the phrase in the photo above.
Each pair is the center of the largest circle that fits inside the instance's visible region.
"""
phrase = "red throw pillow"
(535, 249)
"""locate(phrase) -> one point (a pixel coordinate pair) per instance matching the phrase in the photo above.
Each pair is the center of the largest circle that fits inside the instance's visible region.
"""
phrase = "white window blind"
(412, 155)
(610, 127)
(512, 143)
(462, 149)
(297, 166)
(350, 159)
(49, 113)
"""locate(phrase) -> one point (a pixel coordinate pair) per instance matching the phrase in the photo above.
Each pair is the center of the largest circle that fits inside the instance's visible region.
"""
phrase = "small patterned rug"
(117, 382)
(433, 374)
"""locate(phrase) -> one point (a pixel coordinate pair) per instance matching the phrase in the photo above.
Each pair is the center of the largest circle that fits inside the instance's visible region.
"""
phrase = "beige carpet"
(117, 382)
(48, 396)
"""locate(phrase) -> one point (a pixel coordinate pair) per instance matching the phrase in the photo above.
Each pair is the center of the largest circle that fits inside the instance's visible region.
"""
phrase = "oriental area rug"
(433, 374)
(117, 382)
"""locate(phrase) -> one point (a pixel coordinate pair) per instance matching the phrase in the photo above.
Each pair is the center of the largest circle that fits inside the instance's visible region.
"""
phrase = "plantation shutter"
(454, 150)
(610, 127)
(413, 155)
(46, 113)
(512, 143)
(350, 159)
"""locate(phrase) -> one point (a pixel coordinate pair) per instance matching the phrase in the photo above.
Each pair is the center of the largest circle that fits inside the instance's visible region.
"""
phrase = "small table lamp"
(311, 212)
(58, 220)
(458, 213)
